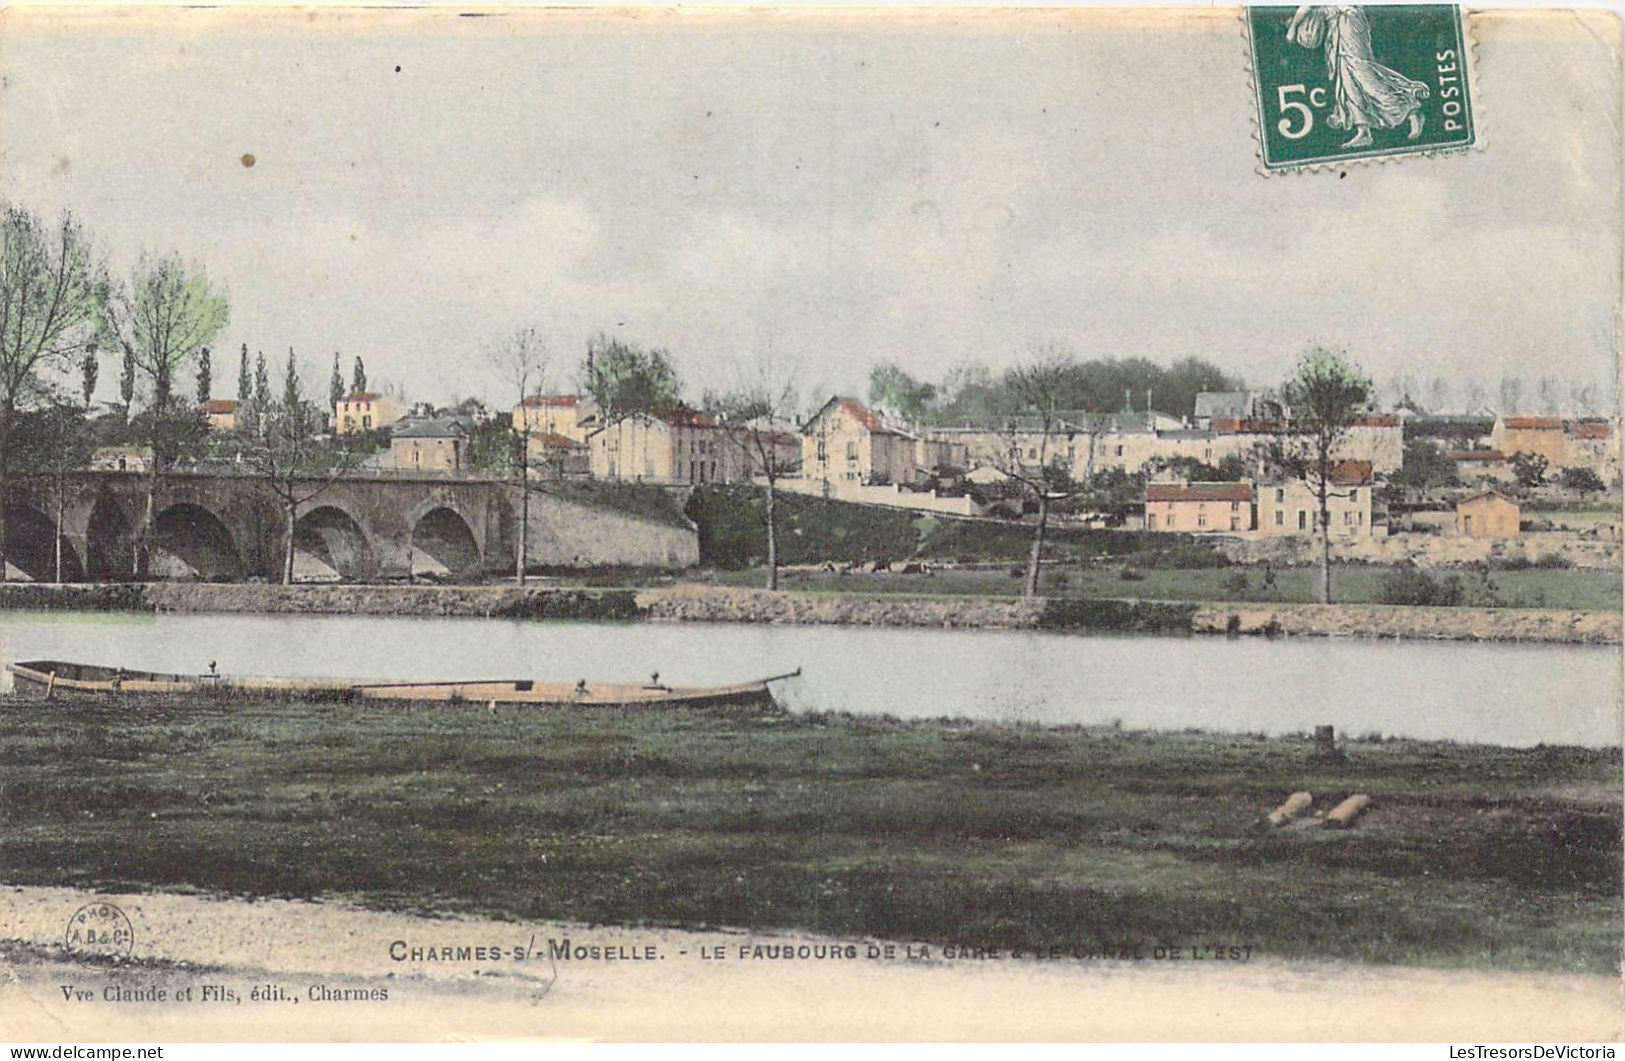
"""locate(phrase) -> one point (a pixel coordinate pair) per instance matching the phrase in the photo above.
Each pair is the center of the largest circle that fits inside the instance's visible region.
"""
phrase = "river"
(1494, 693)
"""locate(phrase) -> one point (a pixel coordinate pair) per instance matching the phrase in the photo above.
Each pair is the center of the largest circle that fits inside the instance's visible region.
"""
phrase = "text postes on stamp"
(1339, 84)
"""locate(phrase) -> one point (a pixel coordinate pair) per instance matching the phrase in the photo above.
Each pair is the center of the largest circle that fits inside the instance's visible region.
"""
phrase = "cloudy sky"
(933, 191)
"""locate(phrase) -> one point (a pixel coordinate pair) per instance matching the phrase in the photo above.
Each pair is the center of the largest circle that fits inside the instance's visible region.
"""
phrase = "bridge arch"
(109, 541)
(443, 544)
(31, 544)
(329, 544)
(191, 542)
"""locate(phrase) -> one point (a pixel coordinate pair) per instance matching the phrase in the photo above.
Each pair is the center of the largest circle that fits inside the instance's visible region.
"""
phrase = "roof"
(1478, 456)
(217, 406)
(1235, 426)
(1485, 495)
(1533, 423)
(1199, 492)
(1351, 473)
(426, 427)
(361, 396)
(1231, 404)
(538, 400)
(865, 416)
(1590, 429)
(1376, 420)
(554, 440)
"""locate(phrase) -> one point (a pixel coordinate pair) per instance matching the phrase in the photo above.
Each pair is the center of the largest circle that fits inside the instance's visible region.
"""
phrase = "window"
(1119, 451)
(1032, 454)
(1150, 521)
(823, 450)
(1235, 522)
(366, 422)
(851, 451)
(1235, 506)
(1201, 518)
(1467, 524)
(1303, 519)
(1280, 495)
(1280, 517)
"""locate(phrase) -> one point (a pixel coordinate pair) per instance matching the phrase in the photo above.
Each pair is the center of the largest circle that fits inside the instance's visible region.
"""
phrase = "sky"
(929, 189)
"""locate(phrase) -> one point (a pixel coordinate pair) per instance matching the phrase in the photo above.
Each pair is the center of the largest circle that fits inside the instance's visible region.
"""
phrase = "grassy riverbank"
(1471, 856)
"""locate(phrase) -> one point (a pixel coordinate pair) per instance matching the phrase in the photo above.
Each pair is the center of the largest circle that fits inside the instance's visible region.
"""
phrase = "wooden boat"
(56, 678)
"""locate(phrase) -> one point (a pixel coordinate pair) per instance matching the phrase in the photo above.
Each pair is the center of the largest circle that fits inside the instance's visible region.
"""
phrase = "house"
(429, 444)
(1377, 439)
(683, 446)
(1480, 465)
(548, 453)
(1490, 514)
(364, 411)
(221, 414)
(1235, 405)
(1292, 506)
(845, 441)
(571, 416)
(121, 459)
(1593, 444)
(1539, 435)
(1199, 507)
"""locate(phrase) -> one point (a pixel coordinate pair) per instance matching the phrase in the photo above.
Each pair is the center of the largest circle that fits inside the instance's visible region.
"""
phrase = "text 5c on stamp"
(1340, 84)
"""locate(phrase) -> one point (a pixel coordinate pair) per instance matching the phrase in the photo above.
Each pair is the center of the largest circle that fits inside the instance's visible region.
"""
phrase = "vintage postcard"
(805, 523)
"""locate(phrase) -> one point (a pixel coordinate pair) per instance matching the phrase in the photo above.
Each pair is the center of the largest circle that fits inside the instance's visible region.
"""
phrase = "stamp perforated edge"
(1465, 18)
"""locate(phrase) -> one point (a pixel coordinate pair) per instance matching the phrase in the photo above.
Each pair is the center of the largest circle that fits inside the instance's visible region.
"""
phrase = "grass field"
(1471, 856)
(1353, 584)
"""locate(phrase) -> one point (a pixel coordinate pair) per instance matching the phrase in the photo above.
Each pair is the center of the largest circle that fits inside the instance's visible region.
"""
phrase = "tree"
(358, 380)
(1425, 466)
(205, 378)
(892, 388)
(290, 466)
(89, 368)
(53, 439)
(261, 403)
(1037, 386)
(1530, 469)
(126, 383)
(162, 319)
(1326, 395)
(245, 381)
(335, 384)
(1582, 481)
(51, 289)
(521, 362)
(626, 380)
(753, 417)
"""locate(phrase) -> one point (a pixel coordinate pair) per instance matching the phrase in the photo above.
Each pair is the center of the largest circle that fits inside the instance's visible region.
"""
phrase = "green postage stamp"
(1339, 84)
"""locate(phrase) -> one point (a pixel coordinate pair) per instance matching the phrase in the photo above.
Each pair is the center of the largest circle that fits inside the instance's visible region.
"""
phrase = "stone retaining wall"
(1377, 620)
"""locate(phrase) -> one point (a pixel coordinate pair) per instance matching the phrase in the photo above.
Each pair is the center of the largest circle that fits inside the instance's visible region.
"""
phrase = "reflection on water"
(1482, 692)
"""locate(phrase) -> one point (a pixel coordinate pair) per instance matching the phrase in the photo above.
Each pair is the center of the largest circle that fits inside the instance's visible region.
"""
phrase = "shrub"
(1128, 574)
(1416, 587)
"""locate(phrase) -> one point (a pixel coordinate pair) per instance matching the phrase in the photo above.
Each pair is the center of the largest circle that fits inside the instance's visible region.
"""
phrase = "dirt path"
(651, 983)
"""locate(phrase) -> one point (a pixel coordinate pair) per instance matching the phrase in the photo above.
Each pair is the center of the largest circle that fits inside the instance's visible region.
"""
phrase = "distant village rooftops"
(1478, 456)
(361, 396)
(1533, 423)
(1351, 473)
(430, 427)
(539, 401)
(219, 406)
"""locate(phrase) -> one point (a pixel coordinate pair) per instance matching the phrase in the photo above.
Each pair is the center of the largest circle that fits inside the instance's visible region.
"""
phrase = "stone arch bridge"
(218, 527)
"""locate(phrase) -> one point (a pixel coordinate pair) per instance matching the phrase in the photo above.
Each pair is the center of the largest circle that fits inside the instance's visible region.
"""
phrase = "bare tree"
(1038, 387)
(51, 289)
(521, 362)
(754, 416)
(163, 319)
(290, 464)
(1326, 395)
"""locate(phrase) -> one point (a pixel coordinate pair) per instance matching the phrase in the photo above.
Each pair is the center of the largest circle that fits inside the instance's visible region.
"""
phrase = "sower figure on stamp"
(1367, 94)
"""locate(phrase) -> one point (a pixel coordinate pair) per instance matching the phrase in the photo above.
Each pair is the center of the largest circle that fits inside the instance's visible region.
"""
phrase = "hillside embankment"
(697, 603)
